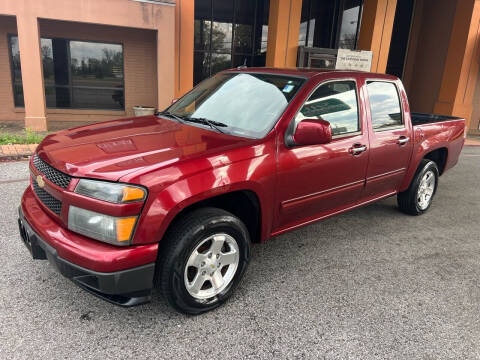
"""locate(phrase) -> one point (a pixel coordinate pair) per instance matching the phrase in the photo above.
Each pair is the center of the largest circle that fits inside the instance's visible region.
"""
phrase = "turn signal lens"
(125, 228)
(132, 194)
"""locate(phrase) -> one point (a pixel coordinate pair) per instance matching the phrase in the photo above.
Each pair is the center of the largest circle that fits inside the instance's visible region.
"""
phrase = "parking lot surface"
(369, 284)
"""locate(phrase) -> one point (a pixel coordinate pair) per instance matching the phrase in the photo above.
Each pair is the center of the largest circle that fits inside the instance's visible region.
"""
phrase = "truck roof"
(307, 72)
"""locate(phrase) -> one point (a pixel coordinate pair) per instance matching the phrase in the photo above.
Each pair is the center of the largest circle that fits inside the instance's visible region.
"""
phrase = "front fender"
(256, 175)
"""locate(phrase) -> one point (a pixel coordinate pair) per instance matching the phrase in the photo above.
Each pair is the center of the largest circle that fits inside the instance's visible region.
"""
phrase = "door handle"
(357, 149)
(402, 140)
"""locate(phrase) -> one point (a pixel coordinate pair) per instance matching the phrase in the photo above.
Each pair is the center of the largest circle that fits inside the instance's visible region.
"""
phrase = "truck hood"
(113, 149)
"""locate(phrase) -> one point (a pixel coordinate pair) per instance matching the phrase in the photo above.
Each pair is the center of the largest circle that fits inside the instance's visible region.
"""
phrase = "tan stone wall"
(475, 119)
(427, 52)
(139, 51)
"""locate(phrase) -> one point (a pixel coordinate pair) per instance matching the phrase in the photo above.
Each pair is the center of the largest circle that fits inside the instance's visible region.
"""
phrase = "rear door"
(390, 137)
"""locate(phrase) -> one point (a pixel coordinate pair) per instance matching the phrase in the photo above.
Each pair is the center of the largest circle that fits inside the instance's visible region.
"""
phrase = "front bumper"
(127, 287)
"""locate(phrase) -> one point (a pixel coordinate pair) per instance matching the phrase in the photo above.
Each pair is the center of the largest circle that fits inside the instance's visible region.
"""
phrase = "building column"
(376, 31)
(461, 66)
(184, 34)
(165, 56)
(283, 28)
(32, 72)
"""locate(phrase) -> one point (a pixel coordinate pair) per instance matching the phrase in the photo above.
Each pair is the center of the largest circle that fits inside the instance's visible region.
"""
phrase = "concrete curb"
(16, 152)
(472, 142)
(14, 158)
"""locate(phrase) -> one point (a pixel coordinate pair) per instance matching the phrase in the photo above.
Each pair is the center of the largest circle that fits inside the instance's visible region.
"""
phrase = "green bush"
(26, 137)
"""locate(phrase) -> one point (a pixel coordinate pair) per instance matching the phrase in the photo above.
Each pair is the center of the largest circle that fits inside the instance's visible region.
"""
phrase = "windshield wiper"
(213, 124)
(167, 113)
(183, 118)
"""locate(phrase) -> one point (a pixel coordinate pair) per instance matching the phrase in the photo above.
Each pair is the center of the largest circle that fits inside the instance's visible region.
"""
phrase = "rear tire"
(203, 258)
(417, 199)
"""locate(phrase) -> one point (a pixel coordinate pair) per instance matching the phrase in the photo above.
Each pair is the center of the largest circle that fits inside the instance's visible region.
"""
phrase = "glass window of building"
(16, 72)
(96, 75)
(330, 24)
(229, 33)
(77, 74)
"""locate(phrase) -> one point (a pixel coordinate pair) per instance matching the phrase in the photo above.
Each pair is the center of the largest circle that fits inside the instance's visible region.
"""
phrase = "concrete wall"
(427, 52)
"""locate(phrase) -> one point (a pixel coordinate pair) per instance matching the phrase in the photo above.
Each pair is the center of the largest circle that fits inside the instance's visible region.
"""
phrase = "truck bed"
(421, 118)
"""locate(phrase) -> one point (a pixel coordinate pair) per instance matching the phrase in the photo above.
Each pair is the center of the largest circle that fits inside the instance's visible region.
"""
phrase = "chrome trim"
(284, 230)
(389, 128)
(304, 197)
(386, 174)
(357, 150)
(346, 135)
(403, 140)
(156, 2)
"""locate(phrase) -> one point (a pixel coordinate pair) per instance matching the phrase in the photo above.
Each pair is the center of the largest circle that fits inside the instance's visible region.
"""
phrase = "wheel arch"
(243, 203)
(438, 156)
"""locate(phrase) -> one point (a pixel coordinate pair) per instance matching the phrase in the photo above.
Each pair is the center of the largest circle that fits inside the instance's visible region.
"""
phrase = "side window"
(335, 102)
(384, 104)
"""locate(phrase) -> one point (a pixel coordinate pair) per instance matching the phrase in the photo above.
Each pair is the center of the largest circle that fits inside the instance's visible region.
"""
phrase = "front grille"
(48, 200)
(53, 175)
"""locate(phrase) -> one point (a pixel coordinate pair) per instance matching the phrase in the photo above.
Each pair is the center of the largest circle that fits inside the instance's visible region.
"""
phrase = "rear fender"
(417, 157)
(447, 135)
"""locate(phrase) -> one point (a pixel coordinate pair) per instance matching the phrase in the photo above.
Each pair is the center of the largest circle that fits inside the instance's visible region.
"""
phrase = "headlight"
(114, 230)
(111, 192)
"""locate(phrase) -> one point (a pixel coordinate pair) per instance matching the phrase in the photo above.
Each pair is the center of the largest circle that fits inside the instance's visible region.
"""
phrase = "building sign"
(354, 60)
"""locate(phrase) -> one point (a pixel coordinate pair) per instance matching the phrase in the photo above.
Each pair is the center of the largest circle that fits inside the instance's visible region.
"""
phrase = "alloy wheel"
(211, 266)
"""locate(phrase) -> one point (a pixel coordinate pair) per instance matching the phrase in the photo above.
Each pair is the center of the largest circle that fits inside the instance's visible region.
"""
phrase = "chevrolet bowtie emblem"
(40, 181)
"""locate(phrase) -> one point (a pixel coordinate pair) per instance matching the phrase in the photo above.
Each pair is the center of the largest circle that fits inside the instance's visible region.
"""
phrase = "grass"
(27, 136)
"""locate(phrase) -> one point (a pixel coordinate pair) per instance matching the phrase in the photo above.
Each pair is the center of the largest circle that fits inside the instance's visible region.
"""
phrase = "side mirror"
(313, 132)
(174, 101)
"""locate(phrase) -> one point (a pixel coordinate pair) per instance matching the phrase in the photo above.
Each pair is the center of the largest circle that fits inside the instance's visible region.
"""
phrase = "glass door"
(229, 33)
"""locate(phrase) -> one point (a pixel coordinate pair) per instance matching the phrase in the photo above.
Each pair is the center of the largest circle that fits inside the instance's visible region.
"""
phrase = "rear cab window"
(385, 109)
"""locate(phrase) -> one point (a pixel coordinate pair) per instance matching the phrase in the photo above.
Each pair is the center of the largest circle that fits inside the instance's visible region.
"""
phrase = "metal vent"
(48, 200)
(53, 175)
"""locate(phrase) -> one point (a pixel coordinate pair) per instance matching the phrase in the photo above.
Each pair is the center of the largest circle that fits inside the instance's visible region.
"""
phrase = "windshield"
(243, 104)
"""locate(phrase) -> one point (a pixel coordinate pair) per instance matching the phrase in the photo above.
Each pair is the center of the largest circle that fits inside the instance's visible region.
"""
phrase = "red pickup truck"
(175, 200)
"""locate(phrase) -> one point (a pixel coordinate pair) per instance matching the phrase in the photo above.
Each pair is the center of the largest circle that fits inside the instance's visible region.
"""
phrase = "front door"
(390, 142)
(317, 179)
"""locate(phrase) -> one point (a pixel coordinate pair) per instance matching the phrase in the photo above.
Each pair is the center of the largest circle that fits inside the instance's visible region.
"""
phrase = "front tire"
(203, 259)
(417, 199)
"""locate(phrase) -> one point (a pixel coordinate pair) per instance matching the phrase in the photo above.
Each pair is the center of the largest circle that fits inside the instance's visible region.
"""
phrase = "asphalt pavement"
(369, 284)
